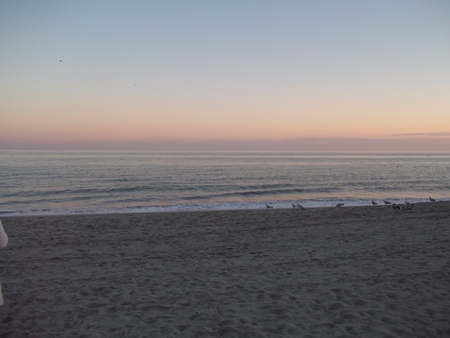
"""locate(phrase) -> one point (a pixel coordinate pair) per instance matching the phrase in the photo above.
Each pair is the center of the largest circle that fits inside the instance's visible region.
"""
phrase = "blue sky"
(225, 71)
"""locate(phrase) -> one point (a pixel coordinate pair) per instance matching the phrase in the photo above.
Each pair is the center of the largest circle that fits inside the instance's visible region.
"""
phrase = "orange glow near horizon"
(227, 122)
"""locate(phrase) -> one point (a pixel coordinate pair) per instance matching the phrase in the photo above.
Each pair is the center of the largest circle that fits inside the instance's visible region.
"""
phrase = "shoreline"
(352, 271)
(285, 206)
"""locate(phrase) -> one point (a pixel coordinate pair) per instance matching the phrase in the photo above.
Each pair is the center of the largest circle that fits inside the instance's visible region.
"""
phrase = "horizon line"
(309, 144)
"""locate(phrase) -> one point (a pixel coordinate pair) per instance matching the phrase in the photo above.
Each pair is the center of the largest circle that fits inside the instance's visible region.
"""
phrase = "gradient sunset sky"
(225, 75)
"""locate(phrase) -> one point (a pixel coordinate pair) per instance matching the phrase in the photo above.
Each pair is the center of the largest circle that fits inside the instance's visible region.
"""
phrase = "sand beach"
(322, 272)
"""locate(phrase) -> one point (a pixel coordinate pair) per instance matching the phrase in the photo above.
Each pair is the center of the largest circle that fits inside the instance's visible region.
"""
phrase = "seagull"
(268, 206)
(432, 199)
(395, 206)
(409, 206)
(300, 206)
(339, 205)
(374, 203)
(386, 202)
(294, 206)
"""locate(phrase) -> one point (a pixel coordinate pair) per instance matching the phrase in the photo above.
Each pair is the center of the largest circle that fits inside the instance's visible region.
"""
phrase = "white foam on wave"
(276, 204)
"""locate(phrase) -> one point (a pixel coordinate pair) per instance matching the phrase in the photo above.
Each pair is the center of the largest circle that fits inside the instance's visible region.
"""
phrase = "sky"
(225, 75)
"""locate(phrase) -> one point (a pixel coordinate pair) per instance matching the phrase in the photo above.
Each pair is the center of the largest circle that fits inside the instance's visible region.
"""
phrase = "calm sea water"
(115, 182)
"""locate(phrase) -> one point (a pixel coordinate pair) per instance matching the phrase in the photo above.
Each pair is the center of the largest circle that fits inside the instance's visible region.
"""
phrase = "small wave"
(260, 193)
(310, 203)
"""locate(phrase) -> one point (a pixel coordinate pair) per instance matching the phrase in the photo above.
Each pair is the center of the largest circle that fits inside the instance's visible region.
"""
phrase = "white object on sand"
(3, 237)
(3, 243)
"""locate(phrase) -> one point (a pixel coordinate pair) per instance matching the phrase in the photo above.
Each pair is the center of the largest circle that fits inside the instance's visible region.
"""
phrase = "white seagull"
(300, 206)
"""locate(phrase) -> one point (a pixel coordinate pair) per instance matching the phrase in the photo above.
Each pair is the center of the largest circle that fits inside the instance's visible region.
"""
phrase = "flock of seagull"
(406, 206)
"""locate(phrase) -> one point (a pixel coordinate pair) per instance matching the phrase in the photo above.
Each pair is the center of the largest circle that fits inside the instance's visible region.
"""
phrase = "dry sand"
(364, 271)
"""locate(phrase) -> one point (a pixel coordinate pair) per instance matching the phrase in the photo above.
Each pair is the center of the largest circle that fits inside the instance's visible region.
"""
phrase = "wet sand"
(328, 272)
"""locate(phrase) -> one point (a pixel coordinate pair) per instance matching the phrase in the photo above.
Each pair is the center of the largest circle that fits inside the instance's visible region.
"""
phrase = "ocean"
(73, 182)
